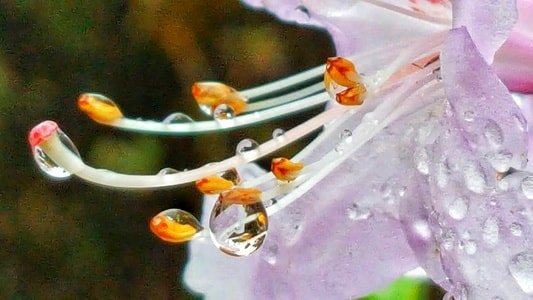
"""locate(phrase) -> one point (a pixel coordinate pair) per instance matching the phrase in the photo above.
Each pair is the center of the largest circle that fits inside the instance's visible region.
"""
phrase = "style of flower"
(426, 166)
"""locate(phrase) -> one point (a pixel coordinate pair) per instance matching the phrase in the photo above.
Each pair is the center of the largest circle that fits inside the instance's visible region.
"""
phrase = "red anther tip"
(42, 132)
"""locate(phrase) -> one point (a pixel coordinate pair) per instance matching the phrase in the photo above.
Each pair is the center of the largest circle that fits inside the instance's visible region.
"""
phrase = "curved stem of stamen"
(62, 156)
(401, 10)
(290, 97)
(192, 128)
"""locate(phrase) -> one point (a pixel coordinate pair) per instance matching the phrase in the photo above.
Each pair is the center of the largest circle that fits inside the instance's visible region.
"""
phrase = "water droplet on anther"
(175, 225)
(239, 222)
(278, 133)
(521, 268)
(177, 118)
(246, 146)
(356, 213)
(224, 112)
(47, 165)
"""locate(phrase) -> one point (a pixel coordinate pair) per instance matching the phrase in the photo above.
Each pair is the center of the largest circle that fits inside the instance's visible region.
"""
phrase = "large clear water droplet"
(224, 112)
(177, 118)
(47, 165)
(238, 229)
(458, 208)
(491, 231)
(527, 187)
(246, 146)
(521, 268)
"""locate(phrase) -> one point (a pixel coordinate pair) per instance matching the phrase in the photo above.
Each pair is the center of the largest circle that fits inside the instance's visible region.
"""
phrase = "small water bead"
(458, 208)
(475, 179)
(175, 226)
(346, 136)
(99, 108)
(278, 133)
(177, 118)
(356, 213)
(521, 268)
(493, 133)
(246, 145)
(270, 253)
(469, 116)
(527, 187)
(491, 231)
(210, 95)
(470, 247)
(447, 239)
(515, 229)
(224, 112)
(239, 222)
(421, 160)
(167, 171)
(500, 160)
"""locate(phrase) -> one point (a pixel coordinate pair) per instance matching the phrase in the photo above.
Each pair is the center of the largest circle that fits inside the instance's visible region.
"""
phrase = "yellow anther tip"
(211, 185)
(99, 108)
(284, 169)
(171, 231)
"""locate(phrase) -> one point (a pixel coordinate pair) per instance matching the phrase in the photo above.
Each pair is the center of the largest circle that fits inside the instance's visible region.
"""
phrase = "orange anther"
(285, 169)
(341, 71)
(213, 185)
(175, 226)
(352, 96)
(241, 196)
(213, 94)
(99, 108)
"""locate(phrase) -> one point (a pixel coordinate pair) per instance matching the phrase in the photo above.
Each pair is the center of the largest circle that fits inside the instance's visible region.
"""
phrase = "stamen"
(212, 185)
(284, 169)
(210, 95)
(175, 226)
(99, 108)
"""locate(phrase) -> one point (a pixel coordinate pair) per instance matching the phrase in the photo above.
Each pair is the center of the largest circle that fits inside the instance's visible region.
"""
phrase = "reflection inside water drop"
(47, 165)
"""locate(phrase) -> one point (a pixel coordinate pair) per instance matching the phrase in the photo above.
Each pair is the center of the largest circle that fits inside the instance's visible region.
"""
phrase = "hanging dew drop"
(224, 112)
(177, 118)
(167, 171)
(47, 165)
(239, 222)
(246, 146)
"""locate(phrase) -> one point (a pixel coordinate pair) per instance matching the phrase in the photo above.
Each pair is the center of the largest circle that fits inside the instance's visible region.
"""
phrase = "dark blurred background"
(69, 239)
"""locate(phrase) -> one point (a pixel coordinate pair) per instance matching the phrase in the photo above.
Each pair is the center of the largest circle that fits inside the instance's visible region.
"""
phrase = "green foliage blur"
(69, 239)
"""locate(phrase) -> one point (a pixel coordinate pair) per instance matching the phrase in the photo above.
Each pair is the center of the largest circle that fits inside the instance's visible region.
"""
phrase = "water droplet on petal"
(493, 133)
(500, 161)
(470, 247)
(224, 112)
(177, 118)
(491, 231)
(521, 268)
(469, 116)
(458, 208)
(239, 222)
(346, 136)
(421, 160)
(246, 146)
(475, 179)
(457, 292)
(167, 171)
(47, 165)
(278, 133)
(520, 122)
(175, 225)
(527, 187)
(270, 253)
(515, 229)
(356, 213)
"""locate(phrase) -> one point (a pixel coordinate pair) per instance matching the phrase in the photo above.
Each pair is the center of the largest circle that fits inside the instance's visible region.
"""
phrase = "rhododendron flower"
(421, 162)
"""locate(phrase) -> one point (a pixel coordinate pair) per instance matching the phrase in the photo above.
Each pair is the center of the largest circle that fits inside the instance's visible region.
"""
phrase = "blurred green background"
(69, 239)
